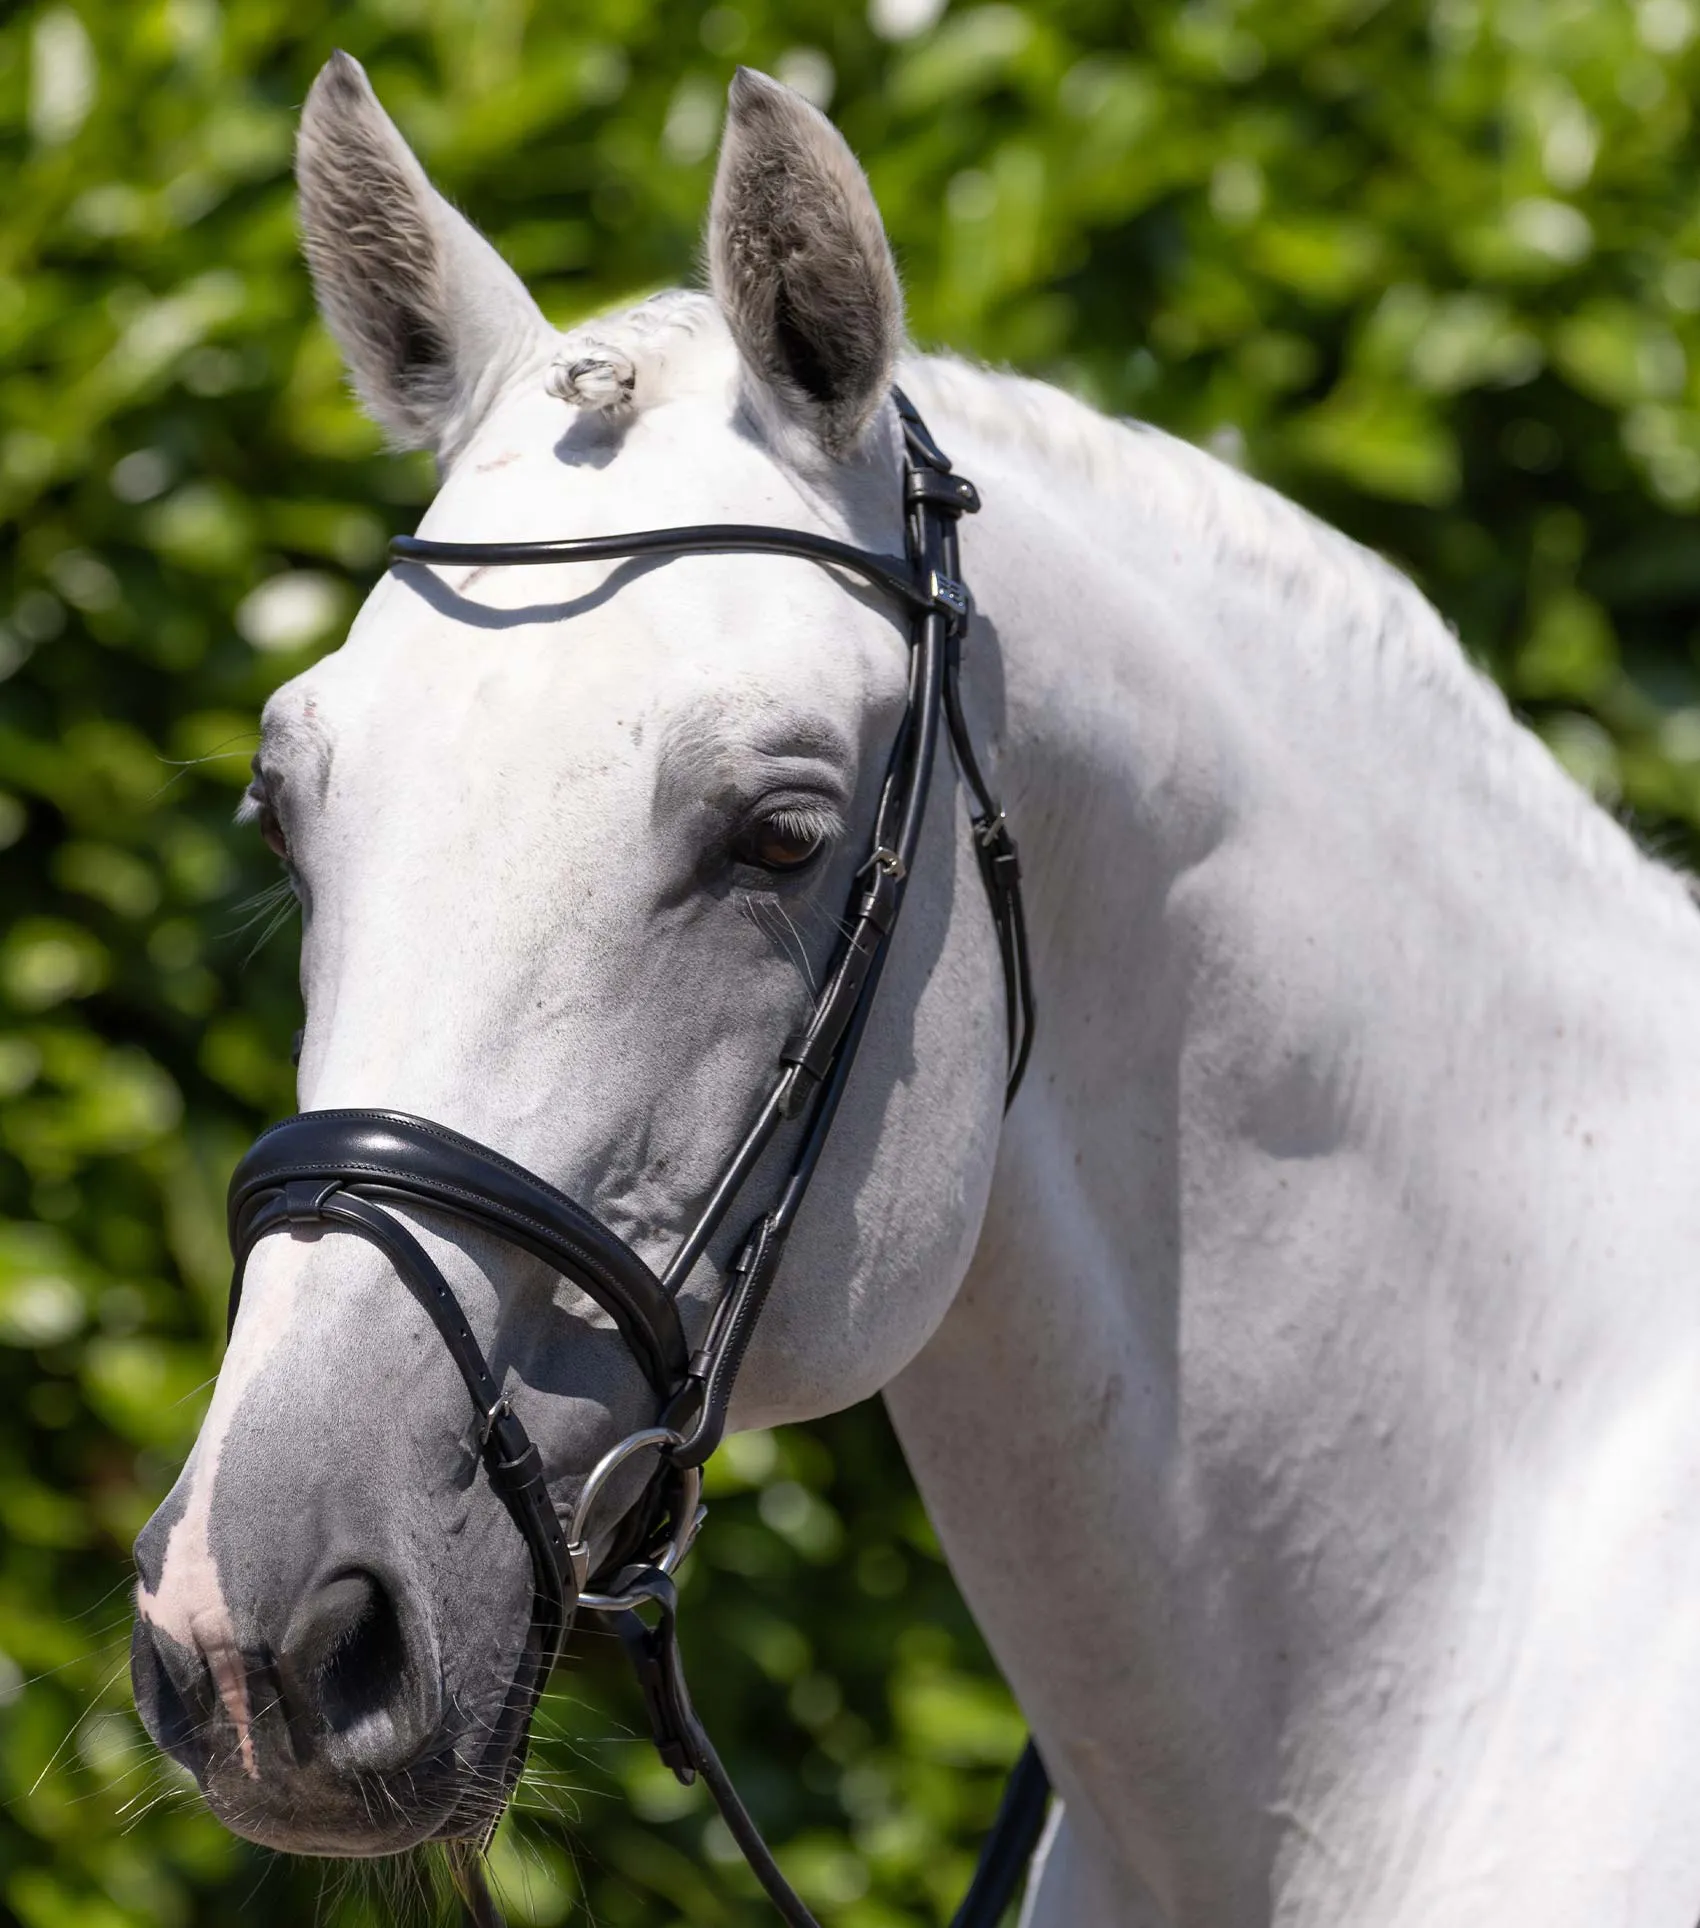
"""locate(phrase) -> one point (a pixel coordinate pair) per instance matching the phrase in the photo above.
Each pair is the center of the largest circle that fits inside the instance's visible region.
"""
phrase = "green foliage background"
(1429, 265)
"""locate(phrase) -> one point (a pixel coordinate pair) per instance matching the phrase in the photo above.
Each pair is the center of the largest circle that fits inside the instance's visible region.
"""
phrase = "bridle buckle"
(578, 1561)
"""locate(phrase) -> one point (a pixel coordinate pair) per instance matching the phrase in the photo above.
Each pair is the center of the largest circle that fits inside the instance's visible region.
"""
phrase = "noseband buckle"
(487, 1425)
(887, 861)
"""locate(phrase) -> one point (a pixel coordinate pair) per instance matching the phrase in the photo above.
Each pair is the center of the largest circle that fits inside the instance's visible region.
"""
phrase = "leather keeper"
(879, 902)
(813, 1050)
(304, 1199)
(513, 1461)
(951, 494)
(514, 1475)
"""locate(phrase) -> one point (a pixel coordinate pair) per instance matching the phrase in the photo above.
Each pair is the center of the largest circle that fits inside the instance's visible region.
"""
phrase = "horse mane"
(1322, 583)
(1132, 468)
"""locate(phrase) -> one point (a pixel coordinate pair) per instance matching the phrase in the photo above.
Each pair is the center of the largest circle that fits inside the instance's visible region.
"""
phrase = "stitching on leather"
(436, 1189)
(441, 1133)
(326, 1170)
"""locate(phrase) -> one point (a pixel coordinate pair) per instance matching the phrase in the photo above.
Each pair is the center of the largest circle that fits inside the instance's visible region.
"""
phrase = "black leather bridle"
(347, 1169)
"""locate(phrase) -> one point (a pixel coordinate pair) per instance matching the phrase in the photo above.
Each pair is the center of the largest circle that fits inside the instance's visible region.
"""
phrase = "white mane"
(676, 344)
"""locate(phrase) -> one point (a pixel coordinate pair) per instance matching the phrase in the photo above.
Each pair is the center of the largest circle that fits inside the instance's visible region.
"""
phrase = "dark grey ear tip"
(753, 92)
(340, 82)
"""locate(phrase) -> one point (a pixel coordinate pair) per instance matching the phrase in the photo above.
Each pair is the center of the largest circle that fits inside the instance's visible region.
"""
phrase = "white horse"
(1304, 1379)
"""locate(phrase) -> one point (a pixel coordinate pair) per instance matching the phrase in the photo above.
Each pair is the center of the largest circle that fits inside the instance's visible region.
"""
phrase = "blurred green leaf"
(146, 1389)
(1386, 444)
(42, 1296)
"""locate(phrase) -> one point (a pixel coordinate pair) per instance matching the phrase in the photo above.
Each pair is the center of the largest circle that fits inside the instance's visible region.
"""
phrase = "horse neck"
(1347, 1138)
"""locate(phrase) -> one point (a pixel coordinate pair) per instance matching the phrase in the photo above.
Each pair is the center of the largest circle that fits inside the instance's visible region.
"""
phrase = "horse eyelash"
(801, 821)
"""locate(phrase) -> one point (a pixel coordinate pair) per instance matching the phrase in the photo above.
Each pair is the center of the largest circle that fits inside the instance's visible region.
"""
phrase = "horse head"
(572, 846)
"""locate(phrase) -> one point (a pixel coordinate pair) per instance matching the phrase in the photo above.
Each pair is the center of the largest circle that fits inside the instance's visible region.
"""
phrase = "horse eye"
(780, 843)
(259, 809)
(272, 831)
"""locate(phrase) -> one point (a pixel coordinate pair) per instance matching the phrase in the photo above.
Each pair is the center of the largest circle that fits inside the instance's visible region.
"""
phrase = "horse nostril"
(344, 1669)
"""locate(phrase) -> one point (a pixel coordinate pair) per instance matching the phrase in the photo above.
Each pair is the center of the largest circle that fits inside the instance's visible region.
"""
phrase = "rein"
(348, 1169)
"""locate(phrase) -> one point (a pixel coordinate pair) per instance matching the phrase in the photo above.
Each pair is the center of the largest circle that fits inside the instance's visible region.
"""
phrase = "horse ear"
(800, 263)
(432, 322)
